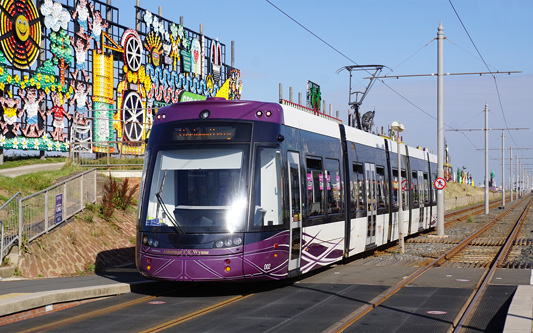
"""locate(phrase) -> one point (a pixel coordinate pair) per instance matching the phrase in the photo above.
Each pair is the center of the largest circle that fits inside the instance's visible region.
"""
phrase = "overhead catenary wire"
(353, 61)
(487, 66)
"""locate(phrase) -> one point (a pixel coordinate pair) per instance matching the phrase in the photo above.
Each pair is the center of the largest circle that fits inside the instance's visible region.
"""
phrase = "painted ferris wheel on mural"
(73, 79)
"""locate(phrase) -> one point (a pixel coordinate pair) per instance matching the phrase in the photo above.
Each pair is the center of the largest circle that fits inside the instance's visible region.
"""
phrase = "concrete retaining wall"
(453, 203)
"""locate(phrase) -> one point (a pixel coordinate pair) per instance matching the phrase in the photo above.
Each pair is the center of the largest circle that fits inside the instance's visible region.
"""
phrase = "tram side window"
(426, 187)
(333, 186)
(414, 190)
(395, 187)
(268, 190)
(382, 188)
(358, 187)
(315, 186)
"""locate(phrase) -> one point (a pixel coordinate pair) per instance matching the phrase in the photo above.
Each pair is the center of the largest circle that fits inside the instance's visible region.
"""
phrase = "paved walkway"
(22, 170)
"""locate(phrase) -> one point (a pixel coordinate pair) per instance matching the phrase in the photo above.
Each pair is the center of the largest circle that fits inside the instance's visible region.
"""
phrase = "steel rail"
(479, 291)
(100, 312)
(201, 312)
(343, 324)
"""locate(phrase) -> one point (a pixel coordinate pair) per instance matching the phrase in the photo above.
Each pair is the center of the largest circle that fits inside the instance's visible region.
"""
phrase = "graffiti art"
(74, 79)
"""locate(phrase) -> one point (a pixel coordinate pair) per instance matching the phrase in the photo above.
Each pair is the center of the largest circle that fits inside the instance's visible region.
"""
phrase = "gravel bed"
(428, 246)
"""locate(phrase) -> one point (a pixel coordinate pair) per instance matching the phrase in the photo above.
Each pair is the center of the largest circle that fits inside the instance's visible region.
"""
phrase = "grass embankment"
(33, 182)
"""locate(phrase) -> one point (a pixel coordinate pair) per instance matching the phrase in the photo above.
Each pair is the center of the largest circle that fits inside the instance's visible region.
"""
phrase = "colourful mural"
(73, 78)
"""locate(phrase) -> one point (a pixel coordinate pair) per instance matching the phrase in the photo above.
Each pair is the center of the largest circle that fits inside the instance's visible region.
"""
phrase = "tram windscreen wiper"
(161, 203)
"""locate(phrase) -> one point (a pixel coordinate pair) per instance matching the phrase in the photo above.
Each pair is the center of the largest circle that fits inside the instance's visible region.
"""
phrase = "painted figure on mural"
(82, 12)
(81, 46)
(97, 25)
(83, 102)
(59, 114)
(11, 108)
(31, 107)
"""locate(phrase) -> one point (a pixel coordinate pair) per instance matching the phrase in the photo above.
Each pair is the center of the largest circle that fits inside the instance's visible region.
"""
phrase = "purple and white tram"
(245, 190)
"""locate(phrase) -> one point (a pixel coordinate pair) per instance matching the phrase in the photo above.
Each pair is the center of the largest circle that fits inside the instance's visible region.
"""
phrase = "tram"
(247, 190)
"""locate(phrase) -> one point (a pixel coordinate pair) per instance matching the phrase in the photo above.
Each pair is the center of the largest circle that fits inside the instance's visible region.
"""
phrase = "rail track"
(472, 252)
(489, 247)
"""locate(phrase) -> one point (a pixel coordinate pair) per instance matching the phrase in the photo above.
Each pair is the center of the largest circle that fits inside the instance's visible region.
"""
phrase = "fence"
(25, 219)
(110, 154)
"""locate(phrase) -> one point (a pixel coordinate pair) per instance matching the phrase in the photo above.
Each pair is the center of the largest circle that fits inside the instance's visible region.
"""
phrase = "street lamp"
(397, 127)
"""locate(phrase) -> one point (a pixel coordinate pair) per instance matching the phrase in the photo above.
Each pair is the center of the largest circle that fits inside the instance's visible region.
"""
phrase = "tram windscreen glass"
(214, 132)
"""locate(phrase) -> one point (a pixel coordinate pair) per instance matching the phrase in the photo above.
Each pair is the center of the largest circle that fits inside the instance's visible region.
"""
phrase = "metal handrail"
(2, 245)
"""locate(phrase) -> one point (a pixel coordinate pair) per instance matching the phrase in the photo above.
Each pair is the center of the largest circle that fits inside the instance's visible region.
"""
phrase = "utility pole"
(487, 129)
(503, 169)
(486, 159)
(440, 129)
(511, 171)
(440, 117)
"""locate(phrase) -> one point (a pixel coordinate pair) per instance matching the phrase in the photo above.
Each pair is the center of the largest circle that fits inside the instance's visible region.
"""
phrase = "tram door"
(421, 198)
(295, 206)
(371, 193)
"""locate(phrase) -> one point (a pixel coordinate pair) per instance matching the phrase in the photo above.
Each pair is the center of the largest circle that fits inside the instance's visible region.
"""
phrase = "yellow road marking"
(98, 312)
(195, 314)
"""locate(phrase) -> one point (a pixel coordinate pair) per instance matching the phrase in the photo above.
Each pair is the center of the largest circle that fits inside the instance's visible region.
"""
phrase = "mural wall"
(72, 77)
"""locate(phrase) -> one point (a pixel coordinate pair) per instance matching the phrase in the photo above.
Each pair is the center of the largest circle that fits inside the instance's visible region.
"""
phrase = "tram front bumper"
(190, 264)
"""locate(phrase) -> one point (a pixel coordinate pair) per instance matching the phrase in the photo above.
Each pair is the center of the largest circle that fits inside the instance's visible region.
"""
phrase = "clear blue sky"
(272, 49)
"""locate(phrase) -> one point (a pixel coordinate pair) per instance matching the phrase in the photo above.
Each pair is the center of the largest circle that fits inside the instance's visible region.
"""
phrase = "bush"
(116, 196)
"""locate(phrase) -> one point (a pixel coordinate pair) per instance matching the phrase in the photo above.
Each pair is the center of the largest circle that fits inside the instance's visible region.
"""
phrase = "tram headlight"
(227, 242)
(268, 113)
(258, 113)
(150, 241)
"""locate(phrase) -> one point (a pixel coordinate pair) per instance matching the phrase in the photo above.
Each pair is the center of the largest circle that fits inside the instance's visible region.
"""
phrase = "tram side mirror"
(280, 138)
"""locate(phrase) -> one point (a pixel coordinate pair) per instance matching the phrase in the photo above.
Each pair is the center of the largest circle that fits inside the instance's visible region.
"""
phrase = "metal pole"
(300, 98)
(290, 94)
(440, 129)
(138, 25)
(400, 204)
(503, 169)
(517, 178)
(46, 222)
(486, 159)
(280, 92)
(511, 171)
(233, 53)
(21, 223)
(109, 15)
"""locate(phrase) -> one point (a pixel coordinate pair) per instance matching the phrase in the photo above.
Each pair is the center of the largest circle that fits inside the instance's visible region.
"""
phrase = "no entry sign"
(440, 183)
